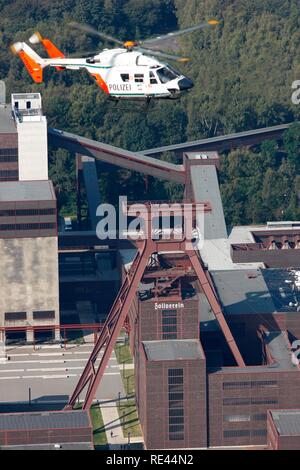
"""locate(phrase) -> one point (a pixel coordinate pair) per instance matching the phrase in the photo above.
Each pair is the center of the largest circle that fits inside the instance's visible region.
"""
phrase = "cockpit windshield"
(166, 75)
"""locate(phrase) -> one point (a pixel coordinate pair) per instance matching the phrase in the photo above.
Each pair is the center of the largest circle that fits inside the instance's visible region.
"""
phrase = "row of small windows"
(169, 324)
(13, 227)
(252, 384)
(37, 315)
(25, 212)
(244, 433)
(11, 152)
(249, 401)
(244, 418)
(176, 404)
(9, 174)
(8, 158)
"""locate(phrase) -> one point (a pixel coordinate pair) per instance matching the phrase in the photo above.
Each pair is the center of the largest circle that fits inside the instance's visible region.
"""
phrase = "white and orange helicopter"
(129, 72)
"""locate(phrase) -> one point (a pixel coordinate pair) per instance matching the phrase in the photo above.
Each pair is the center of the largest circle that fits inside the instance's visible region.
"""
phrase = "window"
(259, 432)
(264, 401)
(153, 80)
(236, 385)
(176, 404)
(237, 418)
(236, 433)
(12, 316)
(28, 104)
(260, 417)
(253, 384)
(139, 78)
(169, 324)
(44, 315)
(264, 383)
(166, 75)
(125, 77)
(17, 227)
(236, 401)
(9, 175)
(249, 401)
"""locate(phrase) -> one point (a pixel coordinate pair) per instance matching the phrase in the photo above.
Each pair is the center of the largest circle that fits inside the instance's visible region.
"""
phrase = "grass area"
(98, 427)
(123, 353)
(129, 418)
(128, 381)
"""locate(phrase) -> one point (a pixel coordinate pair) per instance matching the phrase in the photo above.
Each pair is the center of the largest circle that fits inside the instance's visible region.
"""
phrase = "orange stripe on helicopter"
(34, 69)
(101, 82)
(53, 51)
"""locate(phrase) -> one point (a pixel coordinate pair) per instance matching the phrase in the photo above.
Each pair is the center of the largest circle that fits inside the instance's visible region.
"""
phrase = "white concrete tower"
(32, 136)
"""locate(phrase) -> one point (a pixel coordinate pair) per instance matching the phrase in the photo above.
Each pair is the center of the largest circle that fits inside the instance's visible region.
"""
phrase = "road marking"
(14, 355)
(54, 369)
(10, 378)
(12, 370)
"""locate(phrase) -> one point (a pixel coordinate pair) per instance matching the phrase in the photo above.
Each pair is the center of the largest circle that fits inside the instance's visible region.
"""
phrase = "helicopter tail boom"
(52, 51)
(32, 61)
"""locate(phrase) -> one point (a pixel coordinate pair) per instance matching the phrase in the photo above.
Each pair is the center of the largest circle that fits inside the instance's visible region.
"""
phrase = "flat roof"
(206, 187)
(7, 124)
(277, 344)
(256, 291)
(287, 422)
(44, 420)
(172, 350)
(26, 191)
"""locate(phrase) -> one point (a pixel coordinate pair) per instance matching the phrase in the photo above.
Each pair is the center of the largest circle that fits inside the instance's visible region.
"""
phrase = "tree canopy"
(243, 72)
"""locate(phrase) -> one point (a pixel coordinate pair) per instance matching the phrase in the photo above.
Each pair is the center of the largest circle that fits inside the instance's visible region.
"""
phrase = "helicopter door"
(152, 82)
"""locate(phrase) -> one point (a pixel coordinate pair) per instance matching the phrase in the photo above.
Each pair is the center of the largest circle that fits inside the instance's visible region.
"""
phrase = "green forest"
(243, 72)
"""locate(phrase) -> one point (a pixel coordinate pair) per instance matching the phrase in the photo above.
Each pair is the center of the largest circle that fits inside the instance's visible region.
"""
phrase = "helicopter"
(131, 71)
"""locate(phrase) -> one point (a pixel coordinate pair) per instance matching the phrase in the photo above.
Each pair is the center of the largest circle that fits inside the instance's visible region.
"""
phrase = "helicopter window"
(125, 77)
(90, 61)
(166, 75)
(178, 74)
(139, 78)
(153, 79)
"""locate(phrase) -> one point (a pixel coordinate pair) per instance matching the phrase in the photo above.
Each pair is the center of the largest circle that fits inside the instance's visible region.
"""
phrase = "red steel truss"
(95, 367)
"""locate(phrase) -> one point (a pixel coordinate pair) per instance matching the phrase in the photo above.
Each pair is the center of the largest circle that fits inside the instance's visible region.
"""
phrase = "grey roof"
(256, 291)
(206, 188)
(277, 344)
(287, 422)
(117, 156)
(205, 143)
(7, 124)
(44, 420)
(172, 350)
(26, 191)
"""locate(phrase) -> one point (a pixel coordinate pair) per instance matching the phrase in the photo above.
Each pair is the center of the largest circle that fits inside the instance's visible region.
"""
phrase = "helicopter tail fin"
(52, 51)
(32, 61)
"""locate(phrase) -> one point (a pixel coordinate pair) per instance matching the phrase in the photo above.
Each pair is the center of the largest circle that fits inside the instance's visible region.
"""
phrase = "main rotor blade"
(163, 54)
(90, 30)
(159, 39)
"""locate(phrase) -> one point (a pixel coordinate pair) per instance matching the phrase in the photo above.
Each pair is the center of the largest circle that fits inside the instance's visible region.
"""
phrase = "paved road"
(52, 374)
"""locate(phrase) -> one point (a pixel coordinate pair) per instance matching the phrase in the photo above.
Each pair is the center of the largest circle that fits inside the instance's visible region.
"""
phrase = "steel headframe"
(147, 246)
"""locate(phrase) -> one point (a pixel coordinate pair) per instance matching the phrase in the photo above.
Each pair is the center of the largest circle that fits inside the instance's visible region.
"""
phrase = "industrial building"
(28, 223)
(211, 329)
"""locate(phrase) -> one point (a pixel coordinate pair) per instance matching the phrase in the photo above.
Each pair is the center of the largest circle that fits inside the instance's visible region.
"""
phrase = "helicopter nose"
(185, 84)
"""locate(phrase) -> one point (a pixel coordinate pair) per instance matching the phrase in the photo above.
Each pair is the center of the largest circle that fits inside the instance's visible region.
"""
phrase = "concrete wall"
(29, 278)
(33, 150)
